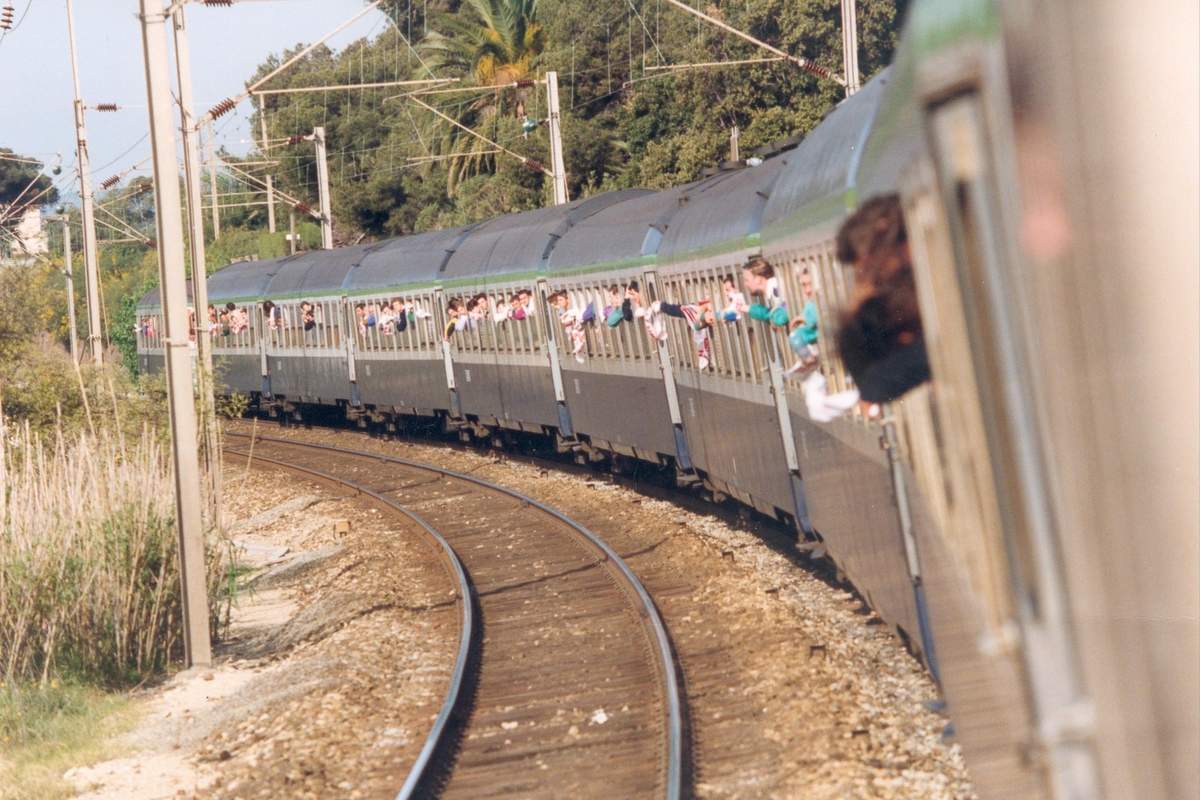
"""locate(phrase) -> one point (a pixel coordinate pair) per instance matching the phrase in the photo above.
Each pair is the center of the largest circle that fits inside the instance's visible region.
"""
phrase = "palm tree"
(489, 43)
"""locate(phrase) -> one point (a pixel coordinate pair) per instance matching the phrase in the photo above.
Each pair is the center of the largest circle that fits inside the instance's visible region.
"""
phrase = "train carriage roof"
(625, 233)
(820, 172)
(245, 279)
(722, 211)
(315, 272)
(522, 243)
(405, 261)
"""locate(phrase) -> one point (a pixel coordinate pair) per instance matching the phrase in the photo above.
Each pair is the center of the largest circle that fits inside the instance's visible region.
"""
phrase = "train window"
(959, 138)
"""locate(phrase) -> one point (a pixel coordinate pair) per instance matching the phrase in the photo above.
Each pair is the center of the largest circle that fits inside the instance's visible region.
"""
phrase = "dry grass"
(89, 583)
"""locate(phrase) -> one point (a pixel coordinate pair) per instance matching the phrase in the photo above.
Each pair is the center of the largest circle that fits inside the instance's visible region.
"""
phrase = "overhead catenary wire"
(227, 105)
(800, 61)
(529, 162)
(350, 86)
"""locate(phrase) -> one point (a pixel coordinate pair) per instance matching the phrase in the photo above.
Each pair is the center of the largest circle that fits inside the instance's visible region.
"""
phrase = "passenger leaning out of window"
(308, 317)
(880, 337)
(804, 334)
(572, 320)
(759, 278)
(456, 317)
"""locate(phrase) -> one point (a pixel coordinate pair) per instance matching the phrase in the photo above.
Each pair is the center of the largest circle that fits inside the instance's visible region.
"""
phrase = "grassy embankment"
(89, 586)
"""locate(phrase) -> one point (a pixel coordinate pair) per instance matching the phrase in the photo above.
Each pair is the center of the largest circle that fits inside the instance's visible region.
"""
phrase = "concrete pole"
(850, 46)
(292, 230)
(212, 180)
(262, 118)
(172, 277)
(195, 214)
(91, 259)
(735, 153)
(70, 288)
(323, 189)
(556, 148)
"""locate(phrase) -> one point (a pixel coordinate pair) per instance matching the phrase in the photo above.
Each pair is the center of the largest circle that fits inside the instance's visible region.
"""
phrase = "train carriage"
(1020, 519)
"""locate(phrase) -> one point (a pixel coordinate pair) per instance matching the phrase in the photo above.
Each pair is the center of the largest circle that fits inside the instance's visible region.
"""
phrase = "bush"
(89, 576)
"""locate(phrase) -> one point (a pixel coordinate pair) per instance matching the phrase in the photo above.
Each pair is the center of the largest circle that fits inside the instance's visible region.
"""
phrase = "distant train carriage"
(1027, 520)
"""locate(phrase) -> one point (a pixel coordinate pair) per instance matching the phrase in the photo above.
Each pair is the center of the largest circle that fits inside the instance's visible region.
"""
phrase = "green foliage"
(396, 168)
(233, 405)
(89, 577)
(15, 176)
(623, 125)
(45, 728)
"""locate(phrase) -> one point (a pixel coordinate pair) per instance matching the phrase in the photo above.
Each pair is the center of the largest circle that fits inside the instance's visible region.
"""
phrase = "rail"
(666, 662)
(458, 676)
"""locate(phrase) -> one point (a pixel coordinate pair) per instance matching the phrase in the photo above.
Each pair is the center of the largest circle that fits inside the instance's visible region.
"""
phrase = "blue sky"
(226, 44)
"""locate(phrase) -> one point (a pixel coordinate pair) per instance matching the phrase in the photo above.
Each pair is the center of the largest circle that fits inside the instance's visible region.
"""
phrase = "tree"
(16, 173)
(623, 125)
(491, 43)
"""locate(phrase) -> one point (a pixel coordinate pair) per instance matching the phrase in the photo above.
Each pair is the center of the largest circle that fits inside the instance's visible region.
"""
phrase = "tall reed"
(89, 577)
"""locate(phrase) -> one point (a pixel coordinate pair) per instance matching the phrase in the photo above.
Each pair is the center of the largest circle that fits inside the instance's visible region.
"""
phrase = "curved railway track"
(564, 683)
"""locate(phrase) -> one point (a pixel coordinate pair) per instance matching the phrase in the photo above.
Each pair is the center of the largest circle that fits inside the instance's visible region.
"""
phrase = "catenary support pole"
(262, 118)
(169, 221)
(323, 189)
(292, 231)
(195, 215)
(91, 262)
(735, 153)
(70, 276)
(211, 146)
(850, 46)
(556, 149)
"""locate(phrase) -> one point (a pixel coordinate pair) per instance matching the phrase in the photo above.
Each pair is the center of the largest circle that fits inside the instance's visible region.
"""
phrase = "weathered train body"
(987, 515)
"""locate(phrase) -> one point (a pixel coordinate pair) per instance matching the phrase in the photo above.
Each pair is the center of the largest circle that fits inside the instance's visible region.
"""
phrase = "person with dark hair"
(759, 278)
(631, 306)
(456, 316)
(880, 335)
(572, 321)
(699, 317)
(736, 306)
(272, 313)
(308, 317)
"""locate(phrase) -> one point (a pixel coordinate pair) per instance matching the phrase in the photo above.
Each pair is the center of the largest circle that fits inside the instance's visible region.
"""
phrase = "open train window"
(960, 146)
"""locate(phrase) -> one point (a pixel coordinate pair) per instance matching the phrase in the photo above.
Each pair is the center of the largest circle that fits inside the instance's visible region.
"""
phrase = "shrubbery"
(89, 574)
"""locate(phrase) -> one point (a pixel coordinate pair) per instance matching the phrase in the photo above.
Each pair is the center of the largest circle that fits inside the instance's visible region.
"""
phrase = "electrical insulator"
(106, 107)
(534, 165)
(6, 18)
(525, 83)
(303, 208)
(108, 183)
(217, 2)
(296, 139)
(815, 69)
(222, 108)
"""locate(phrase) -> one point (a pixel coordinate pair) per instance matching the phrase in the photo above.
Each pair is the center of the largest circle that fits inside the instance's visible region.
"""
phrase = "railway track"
(564, 684)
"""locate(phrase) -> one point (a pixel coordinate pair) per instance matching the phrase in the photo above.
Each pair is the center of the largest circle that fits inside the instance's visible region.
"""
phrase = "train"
(1026, 520)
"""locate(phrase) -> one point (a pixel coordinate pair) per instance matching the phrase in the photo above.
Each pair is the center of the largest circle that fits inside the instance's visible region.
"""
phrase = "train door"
(994, 468)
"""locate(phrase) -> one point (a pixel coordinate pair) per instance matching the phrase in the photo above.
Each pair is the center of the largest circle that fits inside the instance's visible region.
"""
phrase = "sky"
(227, 44)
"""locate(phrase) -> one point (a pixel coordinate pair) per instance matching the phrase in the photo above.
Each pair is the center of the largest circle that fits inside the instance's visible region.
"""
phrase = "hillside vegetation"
(624, 123)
